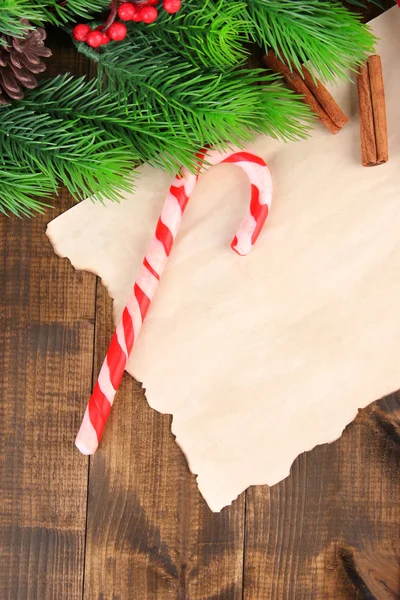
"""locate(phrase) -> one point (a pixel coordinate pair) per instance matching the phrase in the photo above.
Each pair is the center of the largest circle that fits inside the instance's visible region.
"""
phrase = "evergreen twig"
(37, 12)
(321, 31)
(210, 33)
(207, 104)
(165, 91)
(88, 141)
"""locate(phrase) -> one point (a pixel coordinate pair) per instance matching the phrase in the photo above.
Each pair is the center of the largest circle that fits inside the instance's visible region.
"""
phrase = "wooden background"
(130, 524)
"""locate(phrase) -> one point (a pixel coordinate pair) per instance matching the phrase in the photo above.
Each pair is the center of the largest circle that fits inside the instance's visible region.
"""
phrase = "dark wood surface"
(130, 524)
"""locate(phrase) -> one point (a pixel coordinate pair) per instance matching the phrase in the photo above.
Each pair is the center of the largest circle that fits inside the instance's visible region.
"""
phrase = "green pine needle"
(206, 105)
(323, 32)
(20, 188)
(11, 12)
(37, 12)
(58, 150)
(67, 133)
(209, 33)
(164, 92)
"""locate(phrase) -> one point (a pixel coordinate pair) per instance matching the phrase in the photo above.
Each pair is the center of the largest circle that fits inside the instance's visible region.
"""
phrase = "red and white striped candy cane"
(102, 398)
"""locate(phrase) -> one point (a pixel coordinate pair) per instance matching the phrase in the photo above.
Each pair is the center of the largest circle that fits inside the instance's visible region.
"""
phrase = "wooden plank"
(330, 530)
(46, 340)
(150, 535)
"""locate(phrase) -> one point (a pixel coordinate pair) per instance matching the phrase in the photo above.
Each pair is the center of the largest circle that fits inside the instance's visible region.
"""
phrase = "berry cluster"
(139, 11)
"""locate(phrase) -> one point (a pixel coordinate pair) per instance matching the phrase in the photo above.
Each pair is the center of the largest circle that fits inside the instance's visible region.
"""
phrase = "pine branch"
(11, 13)
(62, 12)
(37, 12)
(59, 151)
(165, 91)
(322, 31)
(19, 188)
(144, 135)
(66, 132)
(82, 161)
(204, 104)
(212, 32)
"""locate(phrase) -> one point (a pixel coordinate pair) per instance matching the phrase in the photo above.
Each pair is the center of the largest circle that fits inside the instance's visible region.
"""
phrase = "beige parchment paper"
(260, 358)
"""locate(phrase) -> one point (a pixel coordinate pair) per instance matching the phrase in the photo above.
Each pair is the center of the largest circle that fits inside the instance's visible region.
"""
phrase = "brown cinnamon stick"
(372, 109)
(378, 108)
(325, 99)
(367, 130)
(296, 83)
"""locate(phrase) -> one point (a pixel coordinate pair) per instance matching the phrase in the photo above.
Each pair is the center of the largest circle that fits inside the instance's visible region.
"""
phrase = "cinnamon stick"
(367, 130)
(325, 99)
(296, 83)
(378, 108)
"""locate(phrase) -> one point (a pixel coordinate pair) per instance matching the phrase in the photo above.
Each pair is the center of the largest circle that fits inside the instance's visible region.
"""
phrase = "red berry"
(106, 39)
(172, 6)
(94, 39)
(149, 14)
(117, 32)
(137, 18)
(152, 2)
(80, 32)
(127, 11)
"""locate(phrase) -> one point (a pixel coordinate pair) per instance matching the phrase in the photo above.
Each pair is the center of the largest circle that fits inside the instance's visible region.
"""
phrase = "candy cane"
(102, 398)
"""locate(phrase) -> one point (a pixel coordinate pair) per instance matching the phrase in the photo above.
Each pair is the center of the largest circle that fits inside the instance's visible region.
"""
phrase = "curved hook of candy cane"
(261, 195)
(134, 314)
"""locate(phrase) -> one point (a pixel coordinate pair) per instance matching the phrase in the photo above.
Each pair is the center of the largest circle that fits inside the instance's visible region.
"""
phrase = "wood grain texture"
(46, 359)
(150, 535)
(330, 531)
(46, 334)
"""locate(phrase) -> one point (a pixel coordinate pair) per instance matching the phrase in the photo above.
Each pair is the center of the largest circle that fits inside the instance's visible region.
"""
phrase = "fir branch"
(37, 12)
(324, 32)
(212, 32)
(66, 132)
(62, 12)
(164, 92)
(145, 136)
(204, 104)
(81, 160)
(19, 188)
(58, 151)
(11, 13)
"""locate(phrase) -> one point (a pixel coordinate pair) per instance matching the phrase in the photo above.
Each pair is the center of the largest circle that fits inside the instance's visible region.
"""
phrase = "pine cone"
(20, 61)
